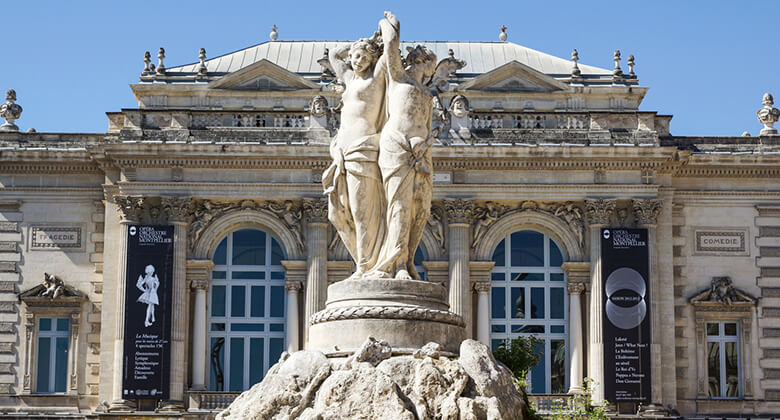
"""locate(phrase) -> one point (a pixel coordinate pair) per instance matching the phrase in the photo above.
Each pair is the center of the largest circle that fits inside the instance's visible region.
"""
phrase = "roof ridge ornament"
(502, 36)
(160, 59)
(147, 60)
(768, 116)
(617, 72)
(631, 74)
(10, 112)
(202, 70)
(576, 73)
(274, 35)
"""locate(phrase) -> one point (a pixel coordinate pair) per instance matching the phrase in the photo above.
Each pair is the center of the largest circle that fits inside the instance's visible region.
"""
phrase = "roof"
(481, 57)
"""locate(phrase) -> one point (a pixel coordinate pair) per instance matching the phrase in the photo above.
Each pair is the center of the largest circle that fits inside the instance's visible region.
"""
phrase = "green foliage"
(582, 406)
(518, 355)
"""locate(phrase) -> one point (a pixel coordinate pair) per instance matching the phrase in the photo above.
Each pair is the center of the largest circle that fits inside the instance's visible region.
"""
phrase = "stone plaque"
(56, 237)
(720, 241)
(442, 177)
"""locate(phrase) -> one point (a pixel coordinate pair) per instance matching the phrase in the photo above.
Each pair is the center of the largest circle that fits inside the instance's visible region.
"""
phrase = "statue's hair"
(459, 98)
(368, 45)
(420, 54)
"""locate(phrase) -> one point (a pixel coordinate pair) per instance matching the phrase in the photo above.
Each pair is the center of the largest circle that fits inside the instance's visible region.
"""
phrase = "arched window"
(246, 323)
(528, 299)
(419, 257)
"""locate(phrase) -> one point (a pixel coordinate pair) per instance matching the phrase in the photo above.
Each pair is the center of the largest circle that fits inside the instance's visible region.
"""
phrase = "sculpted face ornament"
(459, 106)
(319, 106)
(625, 290)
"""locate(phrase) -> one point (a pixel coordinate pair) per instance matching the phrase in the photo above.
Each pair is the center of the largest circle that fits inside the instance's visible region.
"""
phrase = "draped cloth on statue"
(407, 175)
(356, 201)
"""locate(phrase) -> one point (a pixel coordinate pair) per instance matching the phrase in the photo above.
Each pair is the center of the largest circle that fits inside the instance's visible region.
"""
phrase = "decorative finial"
(768, 116)
(147, 61)
(617, 73)
(274, 35)
(631, 74)
(10, 112)
(451, 53)
(160, 58)
(502, 35)
(202, 67)
(575, 70)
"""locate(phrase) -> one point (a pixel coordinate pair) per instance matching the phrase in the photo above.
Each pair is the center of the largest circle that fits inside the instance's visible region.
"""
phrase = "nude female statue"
(405, 153)
(353, 182)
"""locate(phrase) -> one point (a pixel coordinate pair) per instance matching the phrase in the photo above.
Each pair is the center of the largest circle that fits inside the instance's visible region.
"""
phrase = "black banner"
(148, 290)
(626, 319)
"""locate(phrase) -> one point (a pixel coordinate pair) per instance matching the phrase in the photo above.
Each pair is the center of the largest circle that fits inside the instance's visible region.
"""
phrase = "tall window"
(246, 325)
(52, 370)
(528, 299)
(723, 360)
(419, 257)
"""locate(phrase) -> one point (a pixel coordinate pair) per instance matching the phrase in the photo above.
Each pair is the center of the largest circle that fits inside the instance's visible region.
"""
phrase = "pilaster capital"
(577, 272)
(177, 208)
(482, 287)
(646, 211)
(599, 210)
(459, 211)
(199, 270)
(129, 207)
(575, 288)
(293, 286)
(316, 210)
(199, 284)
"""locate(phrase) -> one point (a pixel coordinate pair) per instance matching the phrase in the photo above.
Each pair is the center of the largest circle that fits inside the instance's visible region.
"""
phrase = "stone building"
(534, 155)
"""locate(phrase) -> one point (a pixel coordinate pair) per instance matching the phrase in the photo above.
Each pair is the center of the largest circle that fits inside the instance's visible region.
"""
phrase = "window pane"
(258, 301)
(732, 374)
(63, 324)
(276, 347)
(61, 364)
(527, 249)
(44, 324)
(277, 301)
(236, 364)
(556, 259)
(220, 254)
(217, 300)
(498, 302)
(713, 367)
(217, 357)
(556, 303)
(495, 343)
(557, 371)
(556, 329)
(256, 360)
(418, 256)
(712, 329)
(277, 275)
(518, 302)
(538, 379)
(248, 275)
(218, 326)
(44, 362)
(277, 255)
(277, 327)
(243, 326)
(497, 276)
(527, 276)
(499, 254)
(537, 302)
(556, 276)
(237, 300)
(499, 328)
(218, 275)
(528, 329)
(249, 247)
(730, 328)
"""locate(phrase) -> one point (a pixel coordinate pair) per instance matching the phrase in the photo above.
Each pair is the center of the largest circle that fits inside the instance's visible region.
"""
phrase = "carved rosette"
(315, 210)
(482, 287)
(459, 211)
(646, 211)
(599, 210)
(293, 286)
(130, 207)
(177, 208)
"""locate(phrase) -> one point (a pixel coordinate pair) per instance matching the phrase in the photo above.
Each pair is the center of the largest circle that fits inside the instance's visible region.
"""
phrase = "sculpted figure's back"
(353, 182)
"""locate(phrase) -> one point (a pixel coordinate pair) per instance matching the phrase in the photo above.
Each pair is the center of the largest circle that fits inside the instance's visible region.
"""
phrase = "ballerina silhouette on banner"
(148, 284)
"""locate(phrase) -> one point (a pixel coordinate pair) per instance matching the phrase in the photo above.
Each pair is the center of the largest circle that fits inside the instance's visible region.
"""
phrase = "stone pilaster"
(293, 290)
(316, 213)
(598, 212)
(483, 312)
(459, 214)
(198, 278)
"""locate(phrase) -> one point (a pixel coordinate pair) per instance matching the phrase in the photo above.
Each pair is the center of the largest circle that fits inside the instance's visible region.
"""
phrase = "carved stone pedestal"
(406, 313)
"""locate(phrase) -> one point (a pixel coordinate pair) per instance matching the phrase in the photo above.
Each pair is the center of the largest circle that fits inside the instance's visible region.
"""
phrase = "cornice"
(22, 167)
(746, 171)
(57, 194)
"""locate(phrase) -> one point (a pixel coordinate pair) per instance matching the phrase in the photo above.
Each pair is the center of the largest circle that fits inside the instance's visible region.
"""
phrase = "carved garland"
(387, 312)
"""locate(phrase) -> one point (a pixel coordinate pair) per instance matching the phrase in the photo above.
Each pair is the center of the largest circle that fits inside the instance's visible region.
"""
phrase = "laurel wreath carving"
(387, 312)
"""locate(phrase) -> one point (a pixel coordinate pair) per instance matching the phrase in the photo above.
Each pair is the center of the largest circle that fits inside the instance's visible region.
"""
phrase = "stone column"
(73, 386)
(483, 312)
(459, 218)
(177, 210)
(646, 213)
(198, 272)
(29, 323)
(598, 212)
(577, 280)
(130, 209)
(316, 212)
(293, 289)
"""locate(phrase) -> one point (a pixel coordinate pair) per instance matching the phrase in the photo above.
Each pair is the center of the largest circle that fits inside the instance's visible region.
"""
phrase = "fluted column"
(130, 209)
(646, 213)
(177, 210)
(293, 289)
(483, 312)
(459, 218)
(598, 212)
(577, 279)
(316, 212)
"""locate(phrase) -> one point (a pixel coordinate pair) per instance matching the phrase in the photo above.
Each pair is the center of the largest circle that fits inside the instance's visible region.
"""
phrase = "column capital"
(199, 269)
(577, 271)
(459, 211)
(199, 284)
(295, 270)
(482, 287)
(316, 210)
(599, 210)
(177, 208)
(646, 211)
(575, 288)
(293, 286)
(129, 207)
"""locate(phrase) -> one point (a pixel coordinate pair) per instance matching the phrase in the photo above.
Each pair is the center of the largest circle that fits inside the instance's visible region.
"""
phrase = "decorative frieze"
(483, 217)
(646, 211)
(599, 211)
(436, 227)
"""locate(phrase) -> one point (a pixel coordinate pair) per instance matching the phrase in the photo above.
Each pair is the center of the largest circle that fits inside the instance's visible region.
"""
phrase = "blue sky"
(705, 62)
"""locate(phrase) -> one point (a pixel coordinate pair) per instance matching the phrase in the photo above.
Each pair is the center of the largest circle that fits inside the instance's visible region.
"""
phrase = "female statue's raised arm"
(391, 29)
(337, 58)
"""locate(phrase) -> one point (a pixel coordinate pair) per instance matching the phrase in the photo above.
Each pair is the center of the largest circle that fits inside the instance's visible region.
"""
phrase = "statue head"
(459, 106)
(767, 99)
(363, 54)
(421, 61)
(154, 212)
(10, 95)
(318, 106)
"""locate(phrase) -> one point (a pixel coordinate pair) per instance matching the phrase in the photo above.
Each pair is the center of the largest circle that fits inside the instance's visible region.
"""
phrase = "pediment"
(513, 77)
(52, 292)
(722, 293)
(263, 76)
